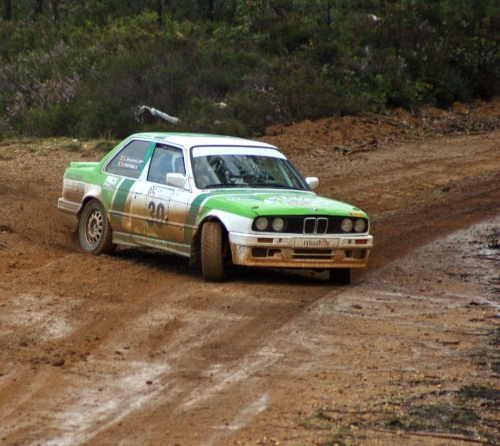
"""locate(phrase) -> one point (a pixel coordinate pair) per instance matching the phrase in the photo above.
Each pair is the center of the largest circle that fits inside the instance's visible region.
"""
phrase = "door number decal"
(156, 214)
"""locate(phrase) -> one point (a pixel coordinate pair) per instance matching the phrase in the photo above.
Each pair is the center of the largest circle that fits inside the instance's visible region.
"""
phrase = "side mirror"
(313, 182)
(176, 180)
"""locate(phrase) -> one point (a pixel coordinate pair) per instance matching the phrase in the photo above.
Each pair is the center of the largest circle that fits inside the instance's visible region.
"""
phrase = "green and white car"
(216, 200)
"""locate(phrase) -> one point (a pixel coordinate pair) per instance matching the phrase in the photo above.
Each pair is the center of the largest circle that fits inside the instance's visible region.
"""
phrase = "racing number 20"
(157, 214)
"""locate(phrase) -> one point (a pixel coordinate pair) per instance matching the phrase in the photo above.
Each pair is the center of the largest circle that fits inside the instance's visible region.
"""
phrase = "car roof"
(190, 140)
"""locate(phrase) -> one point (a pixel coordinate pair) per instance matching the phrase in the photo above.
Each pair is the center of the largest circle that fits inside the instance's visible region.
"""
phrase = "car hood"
(267, 203)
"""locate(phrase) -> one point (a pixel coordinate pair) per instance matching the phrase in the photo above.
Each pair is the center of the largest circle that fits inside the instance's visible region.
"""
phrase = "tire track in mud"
(225, 359)
(184, 379)
(120, 326)
(436, 214)
(307, 336)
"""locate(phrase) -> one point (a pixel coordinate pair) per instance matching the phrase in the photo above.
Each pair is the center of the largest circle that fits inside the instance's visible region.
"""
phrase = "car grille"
(315, 225)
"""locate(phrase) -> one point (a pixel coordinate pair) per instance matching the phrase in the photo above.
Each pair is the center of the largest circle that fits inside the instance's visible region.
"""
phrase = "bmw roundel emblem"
(314, 209)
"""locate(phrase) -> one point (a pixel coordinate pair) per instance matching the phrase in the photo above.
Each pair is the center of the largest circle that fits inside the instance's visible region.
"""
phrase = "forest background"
(82, 68)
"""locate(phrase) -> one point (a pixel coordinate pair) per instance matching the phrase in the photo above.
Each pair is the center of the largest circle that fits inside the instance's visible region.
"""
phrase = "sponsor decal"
(299, 203)
(287, 201)
(128, 165)
(314, 203)
(129, 159)
(159, 192)
(74, 176)
(273, 201)
(243, 198)
(153, 243)
(110, 183)
(315, 243)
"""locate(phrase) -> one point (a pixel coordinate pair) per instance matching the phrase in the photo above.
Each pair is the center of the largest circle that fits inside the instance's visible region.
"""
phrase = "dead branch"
(159, 114)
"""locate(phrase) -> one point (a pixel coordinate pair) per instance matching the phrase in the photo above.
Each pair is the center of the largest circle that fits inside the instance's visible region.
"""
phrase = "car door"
(151, 197)
(178, 206)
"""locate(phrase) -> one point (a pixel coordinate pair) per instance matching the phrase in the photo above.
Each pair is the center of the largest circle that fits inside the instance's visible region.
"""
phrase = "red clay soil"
(136, 348)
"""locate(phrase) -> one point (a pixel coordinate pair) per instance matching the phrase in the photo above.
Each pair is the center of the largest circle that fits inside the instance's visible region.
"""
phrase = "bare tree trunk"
(55, 10)
(38, 9)
(7, 13)
(159, 7)
(209, 8)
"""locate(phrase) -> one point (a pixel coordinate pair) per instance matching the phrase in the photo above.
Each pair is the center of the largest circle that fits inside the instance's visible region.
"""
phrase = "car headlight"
(359, 225)
(346, 225)
(278, 224)
(261, 223)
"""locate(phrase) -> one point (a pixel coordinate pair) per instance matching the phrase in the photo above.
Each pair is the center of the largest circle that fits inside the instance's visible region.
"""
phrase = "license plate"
(315, 243)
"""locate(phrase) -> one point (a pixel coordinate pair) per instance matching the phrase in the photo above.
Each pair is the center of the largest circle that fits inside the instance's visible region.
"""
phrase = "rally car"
(217, 200)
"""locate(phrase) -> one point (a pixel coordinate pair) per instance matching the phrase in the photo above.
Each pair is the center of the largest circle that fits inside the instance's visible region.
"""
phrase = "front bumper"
(295, 251)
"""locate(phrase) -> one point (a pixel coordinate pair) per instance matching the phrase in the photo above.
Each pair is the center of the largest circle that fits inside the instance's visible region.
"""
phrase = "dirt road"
(136, 348)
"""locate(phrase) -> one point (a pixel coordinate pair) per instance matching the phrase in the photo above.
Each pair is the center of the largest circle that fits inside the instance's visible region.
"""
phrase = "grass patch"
(5, 157)
(475, 392)
(473, 413)
(99, 149)
(344, 437)
(436, 418)
(7, 148)
(27, 142)
(495, 338)
(72, 146)
(470, 412)
(104, 146)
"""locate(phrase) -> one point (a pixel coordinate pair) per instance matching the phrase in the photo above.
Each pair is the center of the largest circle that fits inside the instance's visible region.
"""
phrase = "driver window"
(165, 160)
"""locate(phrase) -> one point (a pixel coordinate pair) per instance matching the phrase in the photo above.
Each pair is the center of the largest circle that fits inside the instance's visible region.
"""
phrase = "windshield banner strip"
(204, 151)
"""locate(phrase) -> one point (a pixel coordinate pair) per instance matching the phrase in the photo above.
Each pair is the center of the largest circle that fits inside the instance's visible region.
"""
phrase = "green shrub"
(86, 69)
(46, 122)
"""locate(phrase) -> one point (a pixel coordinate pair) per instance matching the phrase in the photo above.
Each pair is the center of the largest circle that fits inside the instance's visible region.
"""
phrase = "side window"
(128, 161)
(165, 160)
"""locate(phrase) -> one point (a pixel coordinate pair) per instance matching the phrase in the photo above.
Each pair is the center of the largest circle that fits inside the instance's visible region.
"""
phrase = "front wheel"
(212, 252)
(340, 276)
(94, 229)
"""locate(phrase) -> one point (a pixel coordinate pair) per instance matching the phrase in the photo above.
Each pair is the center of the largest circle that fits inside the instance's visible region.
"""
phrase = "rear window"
(129, 160)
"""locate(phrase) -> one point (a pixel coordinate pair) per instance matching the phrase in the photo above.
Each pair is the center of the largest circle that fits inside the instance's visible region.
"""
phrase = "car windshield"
(222, 169)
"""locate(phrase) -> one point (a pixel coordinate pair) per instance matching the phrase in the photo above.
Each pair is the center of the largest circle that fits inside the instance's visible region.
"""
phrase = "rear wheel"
(340, 276)
(94, 229)
(212, 252)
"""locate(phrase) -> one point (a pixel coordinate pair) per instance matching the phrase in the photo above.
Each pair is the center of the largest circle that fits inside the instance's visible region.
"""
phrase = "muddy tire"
(340, 276)
(212, 252)
(94, 230)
